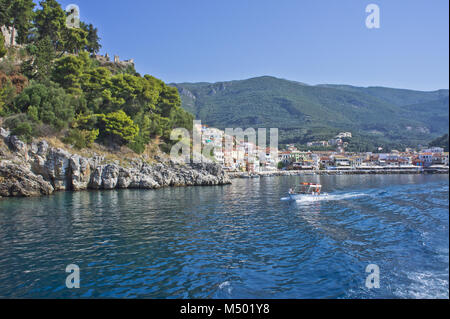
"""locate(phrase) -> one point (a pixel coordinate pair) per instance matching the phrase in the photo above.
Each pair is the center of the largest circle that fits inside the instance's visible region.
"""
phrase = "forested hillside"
(441, 142)
(392, 118)
(52, 84)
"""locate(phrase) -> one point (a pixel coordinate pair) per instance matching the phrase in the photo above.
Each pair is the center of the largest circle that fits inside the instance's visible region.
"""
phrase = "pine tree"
(50, 21)
(2, 45)
(93, 40)
(21, 15)
(45, 54)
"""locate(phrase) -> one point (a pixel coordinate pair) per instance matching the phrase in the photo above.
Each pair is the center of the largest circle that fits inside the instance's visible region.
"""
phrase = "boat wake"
(329, 197)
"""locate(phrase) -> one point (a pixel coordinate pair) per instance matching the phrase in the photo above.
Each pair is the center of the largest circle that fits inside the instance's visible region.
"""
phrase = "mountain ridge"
(302, 112)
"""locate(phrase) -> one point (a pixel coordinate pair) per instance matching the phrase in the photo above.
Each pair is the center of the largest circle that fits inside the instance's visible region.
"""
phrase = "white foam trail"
(226, 286)
(425, 285)
(326, 198)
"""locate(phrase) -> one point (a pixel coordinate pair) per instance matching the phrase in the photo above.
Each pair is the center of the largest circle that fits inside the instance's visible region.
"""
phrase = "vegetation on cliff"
(51, 84)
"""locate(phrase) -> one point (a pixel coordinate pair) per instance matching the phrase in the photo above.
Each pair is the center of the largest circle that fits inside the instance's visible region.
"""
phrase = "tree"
(20, 15)
(280, 165)
(81, 138)
(95, 87)
(68, 72)
(2, 46)
(73, 40)
(44, 58)
(93, 40)
(40, 66)
(4, 14)
(169, 99)
(119, 127)
(48, 104)
(50, 21)
(7, 93)
(23, 131)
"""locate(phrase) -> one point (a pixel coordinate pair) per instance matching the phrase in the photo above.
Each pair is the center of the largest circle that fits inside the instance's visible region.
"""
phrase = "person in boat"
(291, 191)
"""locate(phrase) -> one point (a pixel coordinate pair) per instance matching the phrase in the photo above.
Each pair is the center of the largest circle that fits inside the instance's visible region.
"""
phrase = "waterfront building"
(426, 158)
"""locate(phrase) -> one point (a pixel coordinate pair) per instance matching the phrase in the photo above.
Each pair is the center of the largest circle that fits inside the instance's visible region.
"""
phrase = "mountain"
(441, 142)
(375, 115)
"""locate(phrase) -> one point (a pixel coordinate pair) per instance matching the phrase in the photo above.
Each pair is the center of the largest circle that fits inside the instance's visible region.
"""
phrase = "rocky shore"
(38, 169)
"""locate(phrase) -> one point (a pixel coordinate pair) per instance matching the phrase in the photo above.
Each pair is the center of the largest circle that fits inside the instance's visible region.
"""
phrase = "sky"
(315, 42)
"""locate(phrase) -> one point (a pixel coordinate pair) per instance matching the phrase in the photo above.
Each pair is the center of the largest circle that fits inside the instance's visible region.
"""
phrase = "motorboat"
(307, 191)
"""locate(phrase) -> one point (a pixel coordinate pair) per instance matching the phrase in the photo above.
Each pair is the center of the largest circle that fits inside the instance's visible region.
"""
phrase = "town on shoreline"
(245, 159)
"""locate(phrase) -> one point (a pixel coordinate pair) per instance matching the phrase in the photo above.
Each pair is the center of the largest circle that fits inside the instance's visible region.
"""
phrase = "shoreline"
(388, 171)
(37, 169)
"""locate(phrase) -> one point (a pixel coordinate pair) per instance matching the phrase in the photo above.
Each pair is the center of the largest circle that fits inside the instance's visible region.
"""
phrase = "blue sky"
(323, 41)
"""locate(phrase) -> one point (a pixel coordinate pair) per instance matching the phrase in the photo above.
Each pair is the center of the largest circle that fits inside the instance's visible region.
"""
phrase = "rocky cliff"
(38, 169)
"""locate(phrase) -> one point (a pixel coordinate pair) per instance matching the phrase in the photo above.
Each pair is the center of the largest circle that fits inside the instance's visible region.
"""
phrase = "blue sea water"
(235, 241)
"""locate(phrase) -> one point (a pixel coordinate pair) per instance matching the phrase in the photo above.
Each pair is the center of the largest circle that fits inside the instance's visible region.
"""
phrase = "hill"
(375, 115)
(441, 142)
(54, 84)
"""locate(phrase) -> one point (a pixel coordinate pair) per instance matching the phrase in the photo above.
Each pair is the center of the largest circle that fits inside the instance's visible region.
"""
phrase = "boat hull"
(307, 197)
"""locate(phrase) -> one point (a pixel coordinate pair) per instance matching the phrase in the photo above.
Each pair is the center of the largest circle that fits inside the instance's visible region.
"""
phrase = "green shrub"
(81, 138)
(48, 104)
(33, 113)
(85, 122)
(2, 46)
(23, 131)
(7, 94)
(138, 145)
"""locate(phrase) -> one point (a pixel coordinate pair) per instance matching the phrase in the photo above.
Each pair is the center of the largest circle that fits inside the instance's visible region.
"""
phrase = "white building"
(433, 150)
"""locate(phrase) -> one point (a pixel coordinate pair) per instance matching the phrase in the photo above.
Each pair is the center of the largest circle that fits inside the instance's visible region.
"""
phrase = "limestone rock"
(43, 169)
(110, 176)
(17, 145)
(96, 178)
(16, 180)
(4, 133)
(57, 168)
(80, 172)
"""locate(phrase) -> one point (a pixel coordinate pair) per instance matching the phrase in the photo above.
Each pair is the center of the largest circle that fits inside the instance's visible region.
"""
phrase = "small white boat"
(307, 191)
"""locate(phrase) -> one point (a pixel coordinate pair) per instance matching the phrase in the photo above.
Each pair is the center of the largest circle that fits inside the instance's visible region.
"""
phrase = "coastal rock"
(33, 149)
(16, 180)
(125, 178)
(80, 172)
(4, 133)
(42, 148)
(96, 161)
(146, 182)
(44, 169)
(110, 176)
(17, 145)
(57, 168)
(96, 178)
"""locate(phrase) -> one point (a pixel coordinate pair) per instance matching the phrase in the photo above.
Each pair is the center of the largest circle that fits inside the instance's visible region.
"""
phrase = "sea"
(373, 236)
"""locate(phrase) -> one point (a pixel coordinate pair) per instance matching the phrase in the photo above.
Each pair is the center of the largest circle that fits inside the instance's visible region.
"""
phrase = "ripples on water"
(236, 241)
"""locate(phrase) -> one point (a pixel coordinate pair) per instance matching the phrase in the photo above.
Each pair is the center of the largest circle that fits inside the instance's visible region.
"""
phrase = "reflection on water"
(234, 241)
